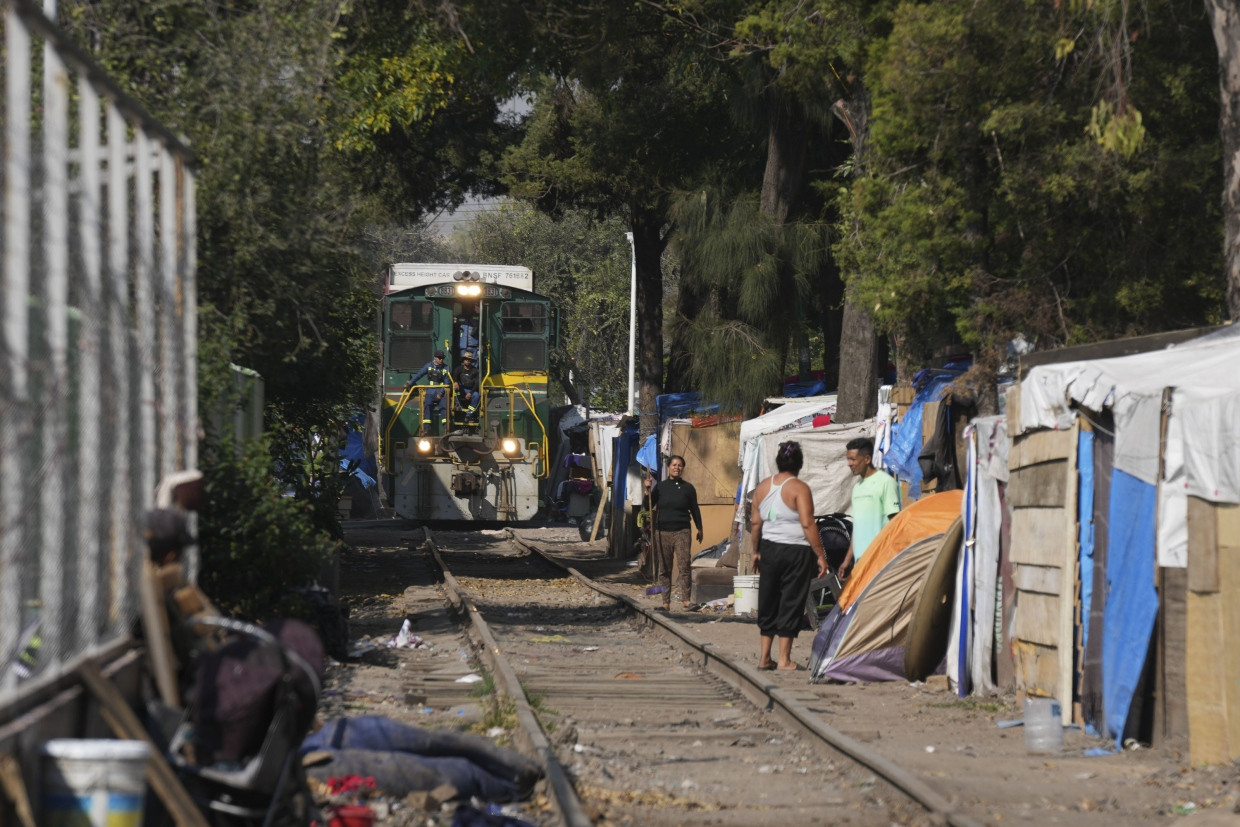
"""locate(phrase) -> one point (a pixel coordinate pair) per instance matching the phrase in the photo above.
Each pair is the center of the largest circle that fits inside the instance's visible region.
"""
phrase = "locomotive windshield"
(524, 325)
(413, 334)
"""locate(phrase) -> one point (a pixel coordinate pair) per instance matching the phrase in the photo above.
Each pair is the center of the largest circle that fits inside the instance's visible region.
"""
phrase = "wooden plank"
(15, 789)
(903, 395)
(1173, 630)
(1069, 586)
(158, 637)
(1035, 668)
(1039, 579)
(125, 724)
(1041, 446)
(710, 460)
(1228, 522)
(598, 514)
(1229, 576)
(1036, 618)
(1037, 536)
(1011, 408)
(1043, 485)
(1203, 574)
(1207, 713)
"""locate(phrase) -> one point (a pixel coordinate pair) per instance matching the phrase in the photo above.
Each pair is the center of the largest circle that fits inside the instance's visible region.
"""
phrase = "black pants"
(783, 585)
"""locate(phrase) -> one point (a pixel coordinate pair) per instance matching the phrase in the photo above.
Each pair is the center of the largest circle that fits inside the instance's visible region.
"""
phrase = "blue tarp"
(901, 457)
(796, 390)
(1085, 519)
(1131, 601)
(668, 405)
(648, 454)
(626, 444)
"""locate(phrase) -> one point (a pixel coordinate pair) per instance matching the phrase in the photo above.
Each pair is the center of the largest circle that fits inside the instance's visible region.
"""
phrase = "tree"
(630, 114)
(582, 265)
(282, 287)
(987, 210)
(1225, 23)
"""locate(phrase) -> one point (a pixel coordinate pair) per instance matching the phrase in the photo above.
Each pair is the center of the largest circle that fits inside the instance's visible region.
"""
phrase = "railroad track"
(638, 722)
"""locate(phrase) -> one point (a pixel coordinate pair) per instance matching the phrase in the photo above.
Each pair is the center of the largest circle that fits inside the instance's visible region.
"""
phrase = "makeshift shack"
(1125, 480)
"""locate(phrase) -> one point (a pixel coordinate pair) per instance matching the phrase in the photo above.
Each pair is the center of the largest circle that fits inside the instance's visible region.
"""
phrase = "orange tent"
(926, 517)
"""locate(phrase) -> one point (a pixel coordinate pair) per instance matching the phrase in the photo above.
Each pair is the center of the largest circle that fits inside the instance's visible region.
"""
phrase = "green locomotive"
(445, 453)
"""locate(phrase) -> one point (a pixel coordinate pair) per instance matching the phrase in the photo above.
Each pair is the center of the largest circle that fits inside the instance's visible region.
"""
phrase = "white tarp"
(792, 414)
(825, 470)
(1202, 455)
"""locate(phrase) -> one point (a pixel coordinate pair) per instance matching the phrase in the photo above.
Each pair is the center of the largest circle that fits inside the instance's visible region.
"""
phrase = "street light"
(632, 317)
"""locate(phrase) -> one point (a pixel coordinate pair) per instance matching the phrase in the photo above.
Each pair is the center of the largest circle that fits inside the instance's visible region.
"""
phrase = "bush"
(258, 546)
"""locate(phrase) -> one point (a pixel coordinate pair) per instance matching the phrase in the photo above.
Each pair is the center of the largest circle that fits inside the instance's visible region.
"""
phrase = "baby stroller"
(835, 532)
(254, 698)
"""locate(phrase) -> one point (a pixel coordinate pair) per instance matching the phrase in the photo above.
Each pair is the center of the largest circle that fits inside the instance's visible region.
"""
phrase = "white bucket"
(96, 782)
(1043, 726)
(745, 593)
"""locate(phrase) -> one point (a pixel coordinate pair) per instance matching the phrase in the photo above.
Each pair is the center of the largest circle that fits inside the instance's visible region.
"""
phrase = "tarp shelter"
(976, 626)
(1171, 447)
(760, 438)
(864, 636)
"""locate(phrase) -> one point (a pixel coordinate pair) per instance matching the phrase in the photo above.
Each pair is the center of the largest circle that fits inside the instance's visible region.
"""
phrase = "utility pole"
(632, 320)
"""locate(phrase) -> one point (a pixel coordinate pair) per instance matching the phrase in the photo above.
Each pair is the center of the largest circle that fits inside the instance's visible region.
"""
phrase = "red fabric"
(822, 420)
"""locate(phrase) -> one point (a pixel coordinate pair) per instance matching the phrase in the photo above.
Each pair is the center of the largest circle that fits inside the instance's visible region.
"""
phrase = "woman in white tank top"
(786, 543)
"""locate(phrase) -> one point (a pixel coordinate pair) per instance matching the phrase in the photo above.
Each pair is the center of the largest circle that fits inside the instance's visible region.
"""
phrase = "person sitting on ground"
(875, 500)
(465, 381)
(673, 503)
(436, 373)
(785, 543)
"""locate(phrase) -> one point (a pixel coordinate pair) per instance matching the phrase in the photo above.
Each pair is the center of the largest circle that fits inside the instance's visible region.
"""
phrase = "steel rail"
(772, 698)
(563, 795)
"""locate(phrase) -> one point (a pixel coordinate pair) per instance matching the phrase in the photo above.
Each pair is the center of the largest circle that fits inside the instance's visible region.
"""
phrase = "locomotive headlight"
(424, 446)
(475, 289)
(510, 445)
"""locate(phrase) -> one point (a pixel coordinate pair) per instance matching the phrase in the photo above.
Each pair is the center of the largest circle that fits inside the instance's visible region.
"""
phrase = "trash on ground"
(472, 677)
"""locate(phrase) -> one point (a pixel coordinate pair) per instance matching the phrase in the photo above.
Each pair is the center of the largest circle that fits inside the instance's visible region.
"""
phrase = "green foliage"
(256, 543)
(986, 208)
(751, 280)
(583, 265)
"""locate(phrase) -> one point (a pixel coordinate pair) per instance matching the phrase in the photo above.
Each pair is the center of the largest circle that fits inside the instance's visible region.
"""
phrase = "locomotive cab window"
(412, 339)
(524, 317)
(524, 326)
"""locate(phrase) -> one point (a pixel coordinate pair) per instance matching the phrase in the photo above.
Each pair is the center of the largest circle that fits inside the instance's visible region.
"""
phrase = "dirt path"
(955, 745)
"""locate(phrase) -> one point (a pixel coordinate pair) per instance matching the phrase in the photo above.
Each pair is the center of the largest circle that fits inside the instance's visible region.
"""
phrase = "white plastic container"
(1043, 726)
(100, 782)
(745, 593)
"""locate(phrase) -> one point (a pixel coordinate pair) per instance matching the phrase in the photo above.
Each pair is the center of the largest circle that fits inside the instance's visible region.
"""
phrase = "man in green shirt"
(875, 500)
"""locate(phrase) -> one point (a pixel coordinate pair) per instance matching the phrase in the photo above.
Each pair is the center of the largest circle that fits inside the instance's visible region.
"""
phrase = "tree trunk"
(648, 244)
(858, 393)
(859, 377)
(784, 176)
(1225, 20)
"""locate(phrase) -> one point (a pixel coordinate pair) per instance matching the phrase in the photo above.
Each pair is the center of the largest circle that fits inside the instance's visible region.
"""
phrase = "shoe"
(692, 607)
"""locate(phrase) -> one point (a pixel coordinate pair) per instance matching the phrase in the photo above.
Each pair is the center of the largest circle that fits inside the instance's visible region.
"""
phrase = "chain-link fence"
(97, 350)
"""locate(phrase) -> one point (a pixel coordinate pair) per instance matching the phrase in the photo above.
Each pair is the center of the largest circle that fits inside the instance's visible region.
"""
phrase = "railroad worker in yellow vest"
(673, 503)
(436, 373)
(786, 551)
(875, 500)
(465, 382)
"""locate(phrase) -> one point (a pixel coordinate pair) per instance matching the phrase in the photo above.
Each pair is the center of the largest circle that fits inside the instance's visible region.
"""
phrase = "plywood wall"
(711, 455)
(1212, 656)
(1042, 494)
